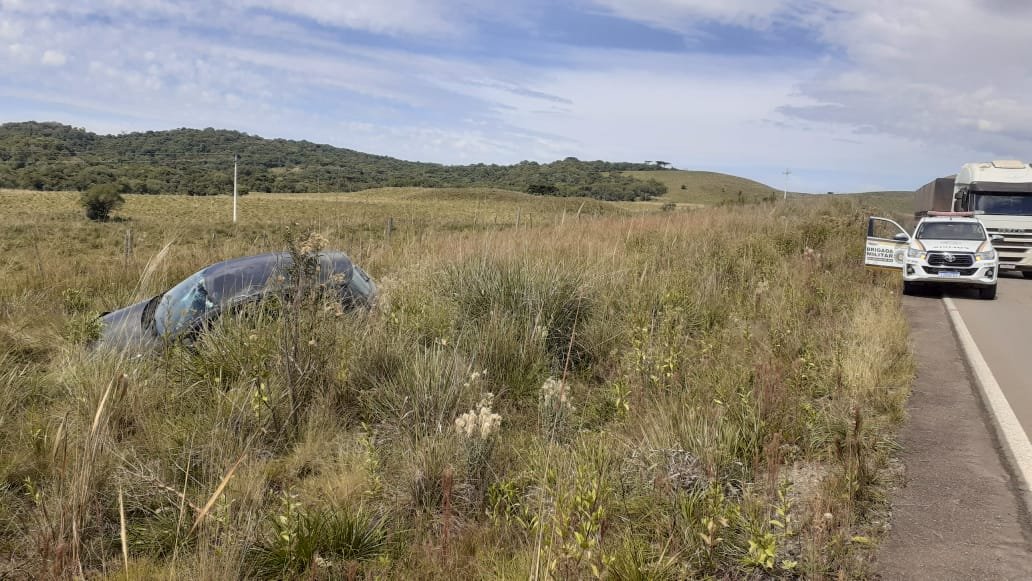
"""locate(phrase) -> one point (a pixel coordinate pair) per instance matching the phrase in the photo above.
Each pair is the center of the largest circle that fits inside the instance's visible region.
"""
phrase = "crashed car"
(183, 310)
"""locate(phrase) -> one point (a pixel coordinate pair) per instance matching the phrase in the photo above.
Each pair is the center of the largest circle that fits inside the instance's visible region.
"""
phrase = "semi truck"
(999, 194)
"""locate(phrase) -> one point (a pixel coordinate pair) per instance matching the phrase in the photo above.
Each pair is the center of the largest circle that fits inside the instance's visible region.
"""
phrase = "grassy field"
(600, 392)
(897, 205)
(705, 187)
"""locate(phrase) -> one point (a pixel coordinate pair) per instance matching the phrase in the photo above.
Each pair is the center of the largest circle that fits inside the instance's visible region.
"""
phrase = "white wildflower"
(555, 392)
(811, 254)
(313, 244)
(475, 377)
(479, 422)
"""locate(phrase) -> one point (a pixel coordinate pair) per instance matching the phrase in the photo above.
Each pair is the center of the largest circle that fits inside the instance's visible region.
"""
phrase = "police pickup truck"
(946, 248)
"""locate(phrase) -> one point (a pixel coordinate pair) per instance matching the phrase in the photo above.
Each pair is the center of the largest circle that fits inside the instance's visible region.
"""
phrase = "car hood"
(952, 245)
(124, 329)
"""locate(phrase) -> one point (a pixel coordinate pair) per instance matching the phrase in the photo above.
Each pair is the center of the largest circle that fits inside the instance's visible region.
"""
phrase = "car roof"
(236, 275)
(269, 258)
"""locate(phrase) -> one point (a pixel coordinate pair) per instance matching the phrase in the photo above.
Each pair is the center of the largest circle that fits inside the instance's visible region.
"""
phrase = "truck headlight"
(915, 253)
(987, 255)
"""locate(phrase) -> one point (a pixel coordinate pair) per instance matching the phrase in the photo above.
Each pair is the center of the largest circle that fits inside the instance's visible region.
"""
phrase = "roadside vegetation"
(595, 393)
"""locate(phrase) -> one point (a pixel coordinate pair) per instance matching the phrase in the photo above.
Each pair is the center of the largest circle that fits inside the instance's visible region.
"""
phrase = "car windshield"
(182, 306)
(1000, 203)
(951, 231)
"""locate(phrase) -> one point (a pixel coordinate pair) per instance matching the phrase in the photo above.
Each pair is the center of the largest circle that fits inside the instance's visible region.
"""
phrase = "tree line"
(53, 156)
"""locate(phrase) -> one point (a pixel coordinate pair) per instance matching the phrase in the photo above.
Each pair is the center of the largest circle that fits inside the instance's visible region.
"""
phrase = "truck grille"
(962, 271)
(1016, 242)
(959, 260)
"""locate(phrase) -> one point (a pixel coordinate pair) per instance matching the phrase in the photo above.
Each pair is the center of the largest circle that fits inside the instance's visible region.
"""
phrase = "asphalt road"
(1003, 331)
(958, 512)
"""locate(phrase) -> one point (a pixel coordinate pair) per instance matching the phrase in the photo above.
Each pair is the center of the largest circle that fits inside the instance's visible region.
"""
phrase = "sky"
(848, 95)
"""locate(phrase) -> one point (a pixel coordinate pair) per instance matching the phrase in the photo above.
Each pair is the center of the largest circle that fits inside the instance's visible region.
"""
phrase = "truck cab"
(946, 248)
(1001, 193)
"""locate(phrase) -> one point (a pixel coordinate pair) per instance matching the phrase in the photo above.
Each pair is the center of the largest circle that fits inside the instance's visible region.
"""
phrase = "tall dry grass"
(669, 395)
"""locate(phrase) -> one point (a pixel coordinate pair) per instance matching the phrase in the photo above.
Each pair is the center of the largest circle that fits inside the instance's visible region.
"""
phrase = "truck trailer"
(1000, 195)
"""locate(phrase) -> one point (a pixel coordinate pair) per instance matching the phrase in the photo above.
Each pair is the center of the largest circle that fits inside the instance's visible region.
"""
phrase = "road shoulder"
(958, 514)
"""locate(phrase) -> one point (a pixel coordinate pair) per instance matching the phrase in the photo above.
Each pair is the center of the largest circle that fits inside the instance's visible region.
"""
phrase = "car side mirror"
(901, 237)
(996, 238)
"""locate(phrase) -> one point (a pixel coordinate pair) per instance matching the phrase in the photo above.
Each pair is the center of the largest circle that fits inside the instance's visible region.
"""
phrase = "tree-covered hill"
(52, 156)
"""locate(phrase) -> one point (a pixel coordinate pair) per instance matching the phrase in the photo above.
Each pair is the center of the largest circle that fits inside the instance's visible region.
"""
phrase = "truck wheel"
(1026, 273)
(987, 292)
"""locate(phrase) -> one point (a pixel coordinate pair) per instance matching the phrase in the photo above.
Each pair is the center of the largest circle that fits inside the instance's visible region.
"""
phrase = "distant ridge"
(53, 156)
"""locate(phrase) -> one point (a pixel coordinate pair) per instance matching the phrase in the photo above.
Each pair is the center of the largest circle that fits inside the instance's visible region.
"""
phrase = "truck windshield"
(951, 231)
(1001, 203)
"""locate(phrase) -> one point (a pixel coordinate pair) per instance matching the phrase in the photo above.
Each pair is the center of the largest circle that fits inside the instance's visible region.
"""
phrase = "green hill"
(712, 188)
(706, 187)
(51, 156)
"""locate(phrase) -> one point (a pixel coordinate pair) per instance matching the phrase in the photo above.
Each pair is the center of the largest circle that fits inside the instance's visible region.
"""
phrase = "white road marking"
(1012, 436)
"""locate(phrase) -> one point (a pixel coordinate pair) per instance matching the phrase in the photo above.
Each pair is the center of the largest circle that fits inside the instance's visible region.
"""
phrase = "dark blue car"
(222, 287)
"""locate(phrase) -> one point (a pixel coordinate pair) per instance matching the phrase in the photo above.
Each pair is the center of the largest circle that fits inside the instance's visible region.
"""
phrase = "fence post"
(390, 227)
(128, 250)
(517, 218)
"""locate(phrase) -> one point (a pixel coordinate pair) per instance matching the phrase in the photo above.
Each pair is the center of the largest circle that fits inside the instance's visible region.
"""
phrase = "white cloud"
(9, 30)
(904, 90)
(935, 70)
(398, 17)
(949, 76)
(685, 15)
(53, 58)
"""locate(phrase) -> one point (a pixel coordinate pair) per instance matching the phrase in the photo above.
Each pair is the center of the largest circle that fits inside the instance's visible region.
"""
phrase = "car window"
(360, 284)
(951, 231)
(182, 306)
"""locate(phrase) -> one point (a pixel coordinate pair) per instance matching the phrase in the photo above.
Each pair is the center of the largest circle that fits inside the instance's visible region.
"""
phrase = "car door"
(887, 243)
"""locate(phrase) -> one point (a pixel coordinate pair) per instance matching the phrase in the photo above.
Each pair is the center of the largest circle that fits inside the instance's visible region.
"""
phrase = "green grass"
(899, 205)
(603, 390)
(705, 187)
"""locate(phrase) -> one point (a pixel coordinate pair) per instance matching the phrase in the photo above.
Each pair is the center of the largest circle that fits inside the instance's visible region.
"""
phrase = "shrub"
(326, 539)
(551, 300)
(100, 200)
(424, 395)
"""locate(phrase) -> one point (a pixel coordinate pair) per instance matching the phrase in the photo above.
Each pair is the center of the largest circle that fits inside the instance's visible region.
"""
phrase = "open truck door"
(887, 242)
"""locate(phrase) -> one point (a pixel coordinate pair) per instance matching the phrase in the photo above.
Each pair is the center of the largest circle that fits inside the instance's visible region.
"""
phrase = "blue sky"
(850, 94)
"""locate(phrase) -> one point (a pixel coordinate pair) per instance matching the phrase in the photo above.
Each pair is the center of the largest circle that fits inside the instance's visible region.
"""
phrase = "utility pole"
(236, 158)
(787, 173)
